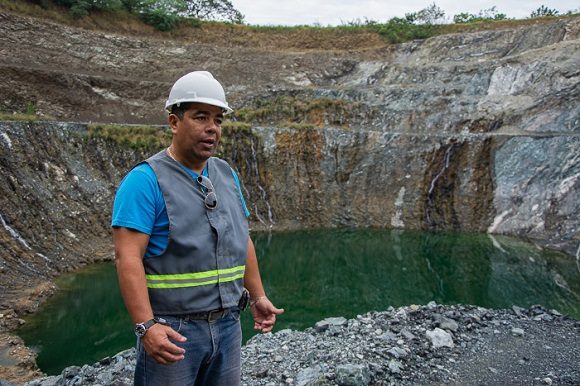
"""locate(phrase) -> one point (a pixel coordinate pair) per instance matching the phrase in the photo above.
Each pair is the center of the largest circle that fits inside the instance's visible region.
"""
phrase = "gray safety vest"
(202, 268)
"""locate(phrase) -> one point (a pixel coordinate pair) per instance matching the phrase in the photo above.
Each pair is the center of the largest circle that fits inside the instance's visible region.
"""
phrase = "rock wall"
(512, 184)
(523, 78)
(55, 198)
(59, 182)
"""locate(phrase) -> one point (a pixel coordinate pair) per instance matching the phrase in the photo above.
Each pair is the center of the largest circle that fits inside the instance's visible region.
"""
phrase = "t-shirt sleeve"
(246, 211)
(135, 200)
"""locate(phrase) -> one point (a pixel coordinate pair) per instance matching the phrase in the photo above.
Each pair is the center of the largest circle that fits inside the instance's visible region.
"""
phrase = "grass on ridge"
(303, 36)
(137, 137)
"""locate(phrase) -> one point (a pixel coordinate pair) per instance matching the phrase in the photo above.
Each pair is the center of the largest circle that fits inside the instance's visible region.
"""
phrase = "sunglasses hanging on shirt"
(210, 199)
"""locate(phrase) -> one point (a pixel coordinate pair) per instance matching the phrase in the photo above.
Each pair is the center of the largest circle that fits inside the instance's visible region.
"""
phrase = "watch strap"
(149, 323)
(141, 328)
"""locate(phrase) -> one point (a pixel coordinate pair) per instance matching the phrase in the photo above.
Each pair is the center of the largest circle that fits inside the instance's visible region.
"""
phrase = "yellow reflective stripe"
(232, 278)
(231, 270)
(183, 276)
(161, 281)
(180, 285)
(197, 275)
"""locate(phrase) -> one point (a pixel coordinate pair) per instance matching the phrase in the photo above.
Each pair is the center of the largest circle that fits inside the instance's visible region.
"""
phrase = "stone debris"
(404, 346)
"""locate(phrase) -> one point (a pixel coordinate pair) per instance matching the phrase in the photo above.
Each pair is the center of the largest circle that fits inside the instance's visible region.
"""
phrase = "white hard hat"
(198, 86)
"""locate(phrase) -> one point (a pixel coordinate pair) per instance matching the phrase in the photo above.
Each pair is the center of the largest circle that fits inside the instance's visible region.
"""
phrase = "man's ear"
(173, 119)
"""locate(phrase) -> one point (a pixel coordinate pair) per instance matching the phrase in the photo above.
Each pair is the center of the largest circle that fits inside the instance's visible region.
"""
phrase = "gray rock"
(517, 310)
(517, 331)
(440, 338)
(310, 376)
(448, 324)
(431, 305)
(324, 324)
(71, 372)
(352, 375)
(398, 352)
(407, 334)
(395, 367)
(388, 336)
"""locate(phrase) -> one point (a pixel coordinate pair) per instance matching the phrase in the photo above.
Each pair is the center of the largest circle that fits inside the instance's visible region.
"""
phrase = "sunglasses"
(210, 197)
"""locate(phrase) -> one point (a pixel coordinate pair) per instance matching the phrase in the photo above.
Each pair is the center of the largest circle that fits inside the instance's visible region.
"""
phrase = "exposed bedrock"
(58, 185)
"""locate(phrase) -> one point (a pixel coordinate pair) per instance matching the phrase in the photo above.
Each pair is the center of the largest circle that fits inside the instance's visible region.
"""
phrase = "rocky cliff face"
(55, 199)
(476, 132)
(58, 187)
(514, 184)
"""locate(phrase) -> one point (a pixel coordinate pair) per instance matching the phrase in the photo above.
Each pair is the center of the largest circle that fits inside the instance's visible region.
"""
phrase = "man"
(183, 252)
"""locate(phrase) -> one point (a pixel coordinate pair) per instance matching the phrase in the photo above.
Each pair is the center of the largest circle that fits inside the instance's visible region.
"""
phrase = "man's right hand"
(158, 344)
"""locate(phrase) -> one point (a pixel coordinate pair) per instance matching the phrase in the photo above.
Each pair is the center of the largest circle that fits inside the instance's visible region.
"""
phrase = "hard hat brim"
(209, 101)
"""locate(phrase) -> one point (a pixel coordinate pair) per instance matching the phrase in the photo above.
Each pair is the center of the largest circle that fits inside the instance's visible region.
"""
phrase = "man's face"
(198, 133)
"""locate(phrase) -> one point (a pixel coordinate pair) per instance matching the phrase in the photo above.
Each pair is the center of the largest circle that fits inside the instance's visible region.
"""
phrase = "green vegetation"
(181, 16)
(234, 125)
(148, 139)
(144, 138)
(298, 112)
(544, 11)
(27, 113)
(490, 14)
(19, 117)
(164, 15)
(428, 22)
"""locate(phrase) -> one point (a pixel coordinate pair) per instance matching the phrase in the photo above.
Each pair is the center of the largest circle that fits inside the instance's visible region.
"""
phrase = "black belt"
(210, 316)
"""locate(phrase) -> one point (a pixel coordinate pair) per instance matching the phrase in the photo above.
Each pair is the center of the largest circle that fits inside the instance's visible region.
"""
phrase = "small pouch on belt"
(244, 300)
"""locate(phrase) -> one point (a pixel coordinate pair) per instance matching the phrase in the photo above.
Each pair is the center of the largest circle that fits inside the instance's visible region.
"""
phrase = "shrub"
(489, 14)
(544, 11)
(160, 20)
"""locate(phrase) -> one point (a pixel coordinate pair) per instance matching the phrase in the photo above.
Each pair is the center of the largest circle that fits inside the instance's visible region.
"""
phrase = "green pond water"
(318, 274)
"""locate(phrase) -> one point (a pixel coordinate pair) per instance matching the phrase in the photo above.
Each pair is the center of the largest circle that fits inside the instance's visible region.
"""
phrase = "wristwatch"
(141, 328)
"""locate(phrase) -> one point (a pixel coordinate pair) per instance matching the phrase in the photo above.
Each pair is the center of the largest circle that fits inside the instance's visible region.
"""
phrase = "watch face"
(140, 330)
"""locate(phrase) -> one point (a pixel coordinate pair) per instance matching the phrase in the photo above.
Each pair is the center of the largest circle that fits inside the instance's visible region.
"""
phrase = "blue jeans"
(212, 354)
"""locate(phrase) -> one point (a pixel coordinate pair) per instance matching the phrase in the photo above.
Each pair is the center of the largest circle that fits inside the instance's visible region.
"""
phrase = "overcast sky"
(336, 12)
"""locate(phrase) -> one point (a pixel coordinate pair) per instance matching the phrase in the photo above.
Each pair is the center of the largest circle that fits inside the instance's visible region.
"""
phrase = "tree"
(213, 10)
(161, 14)
(133, 6)
(482, 15)
(430, 15)
(544, 11)
(81, 8)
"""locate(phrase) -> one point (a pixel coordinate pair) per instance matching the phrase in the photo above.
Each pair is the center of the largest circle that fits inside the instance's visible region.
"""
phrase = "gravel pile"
(412, 345)
(421, 345)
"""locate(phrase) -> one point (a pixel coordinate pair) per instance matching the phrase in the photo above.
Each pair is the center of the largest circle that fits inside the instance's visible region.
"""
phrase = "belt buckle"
(215, 315)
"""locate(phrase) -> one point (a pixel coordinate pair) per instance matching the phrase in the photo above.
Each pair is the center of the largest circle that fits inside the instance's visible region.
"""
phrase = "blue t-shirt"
(139, 205)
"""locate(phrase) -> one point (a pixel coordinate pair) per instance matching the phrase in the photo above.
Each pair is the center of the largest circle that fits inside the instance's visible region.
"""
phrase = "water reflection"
(345, 272)
(316, 274)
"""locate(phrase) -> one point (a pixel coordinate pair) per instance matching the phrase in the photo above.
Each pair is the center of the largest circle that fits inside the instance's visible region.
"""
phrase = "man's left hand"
(264, 314)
